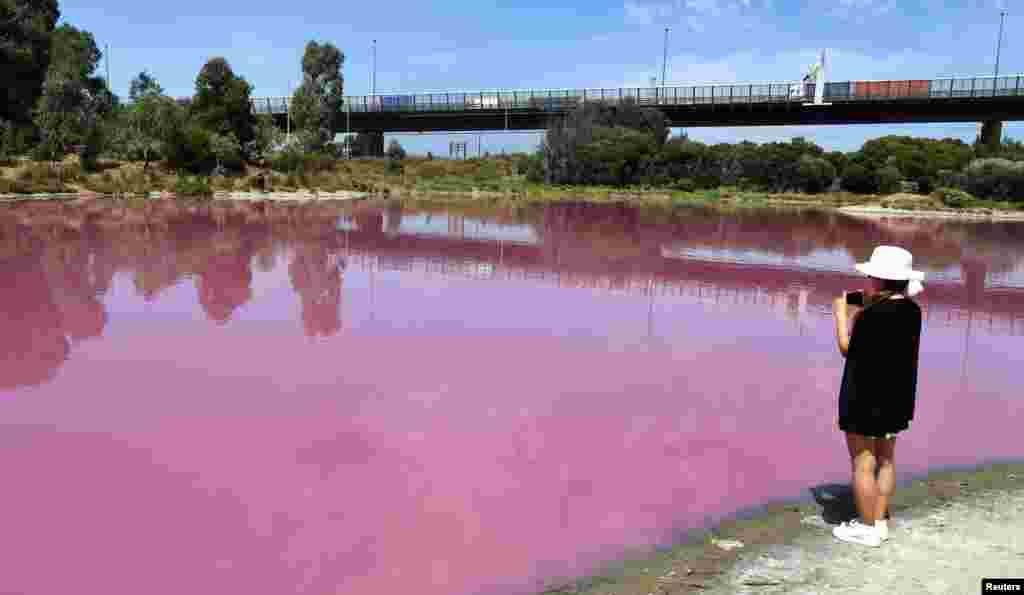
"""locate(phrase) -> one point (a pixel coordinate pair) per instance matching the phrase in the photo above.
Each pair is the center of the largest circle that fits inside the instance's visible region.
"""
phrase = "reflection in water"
(519, 394)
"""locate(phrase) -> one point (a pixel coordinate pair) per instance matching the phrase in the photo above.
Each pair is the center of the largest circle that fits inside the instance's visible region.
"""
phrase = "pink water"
(314, 402)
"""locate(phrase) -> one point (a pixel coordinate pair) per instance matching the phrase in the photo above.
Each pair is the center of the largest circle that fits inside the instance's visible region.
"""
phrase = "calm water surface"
(270, 400)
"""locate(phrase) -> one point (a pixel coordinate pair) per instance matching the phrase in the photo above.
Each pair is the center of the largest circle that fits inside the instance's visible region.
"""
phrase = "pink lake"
(269, 400)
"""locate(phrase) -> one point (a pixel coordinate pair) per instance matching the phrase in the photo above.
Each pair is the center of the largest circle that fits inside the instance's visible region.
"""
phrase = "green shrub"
(190, 149)
(193, 186)
(996, 178)
(395, 150)
(953, 197)
(394, 166)
(488, 170)
(684, 185)
(857, 178)
(889, 179)
(292, 160)
(814, 174)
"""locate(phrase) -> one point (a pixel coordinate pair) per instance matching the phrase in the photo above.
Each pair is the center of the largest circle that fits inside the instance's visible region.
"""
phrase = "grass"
(491, 181)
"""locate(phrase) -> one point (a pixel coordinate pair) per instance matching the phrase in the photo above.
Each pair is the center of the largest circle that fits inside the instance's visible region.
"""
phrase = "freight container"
(891, 89)
(838, 90)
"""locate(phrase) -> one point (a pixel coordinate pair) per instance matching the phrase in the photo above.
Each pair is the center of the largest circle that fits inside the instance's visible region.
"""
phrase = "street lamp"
(664, 58)
(999, 43)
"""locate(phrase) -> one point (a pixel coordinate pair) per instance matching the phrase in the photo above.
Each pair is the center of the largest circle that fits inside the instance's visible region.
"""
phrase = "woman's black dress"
(879, 384)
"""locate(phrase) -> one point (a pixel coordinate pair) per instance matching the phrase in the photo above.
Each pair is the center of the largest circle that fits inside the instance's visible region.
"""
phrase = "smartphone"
(855, 298)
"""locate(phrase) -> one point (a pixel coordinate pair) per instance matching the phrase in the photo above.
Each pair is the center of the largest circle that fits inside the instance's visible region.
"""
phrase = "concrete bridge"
(977, 99)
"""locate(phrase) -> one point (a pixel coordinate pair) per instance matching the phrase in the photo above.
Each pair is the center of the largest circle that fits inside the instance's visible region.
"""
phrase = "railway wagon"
(553, 104)
(393, 103)
(890, 89)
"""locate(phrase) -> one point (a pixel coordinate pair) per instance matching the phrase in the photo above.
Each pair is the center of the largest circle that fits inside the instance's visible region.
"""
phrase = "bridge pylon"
(992, 133)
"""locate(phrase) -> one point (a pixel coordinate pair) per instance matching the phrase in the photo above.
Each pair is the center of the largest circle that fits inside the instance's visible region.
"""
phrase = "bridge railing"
(780, 92)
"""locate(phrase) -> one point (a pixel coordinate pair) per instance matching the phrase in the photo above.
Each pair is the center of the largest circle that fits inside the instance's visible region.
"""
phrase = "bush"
(814, 174)
(394, 166)
(193, 186)
(856, 178)
(292, 160)
(190, 149)
(953, 197)
(889, 179)
(395, 150)
(684, 185)
(996, 178)
(925, 185)
(488, 170)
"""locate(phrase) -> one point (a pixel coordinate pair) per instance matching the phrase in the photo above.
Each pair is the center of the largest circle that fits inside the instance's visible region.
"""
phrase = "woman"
(876, 398)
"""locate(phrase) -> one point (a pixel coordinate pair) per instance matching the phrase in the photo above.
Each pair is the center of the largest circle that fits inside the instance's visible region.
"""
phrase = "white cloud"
(646, 13)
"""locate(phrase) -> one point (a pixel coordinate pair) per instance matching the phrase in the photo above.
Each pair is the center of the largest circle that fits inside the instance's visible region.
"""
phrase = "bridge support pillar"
(992, 133)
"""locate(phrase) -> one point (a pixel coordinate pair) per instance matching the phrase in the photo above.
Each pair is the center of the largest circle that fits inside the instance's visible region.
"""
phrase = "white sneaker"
(883, 529)
(857, 532)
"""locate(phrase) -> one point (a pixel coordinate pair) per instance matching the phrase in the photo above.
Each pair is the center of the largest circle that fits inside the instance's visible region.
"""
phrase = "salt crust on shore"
(944, 549)
(883, 211)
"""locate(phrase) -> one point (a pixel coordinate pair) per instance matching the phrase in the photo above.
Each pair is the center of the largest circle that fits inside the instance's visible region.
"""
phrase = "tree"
(268, 136)
(144, 85)
(317, 103)
(565, 136)
(25, 29)
(222, 105)
(74, 103)
(224, 148)
(814, 174)
(857, 178)
(889, 179)
(395, 150)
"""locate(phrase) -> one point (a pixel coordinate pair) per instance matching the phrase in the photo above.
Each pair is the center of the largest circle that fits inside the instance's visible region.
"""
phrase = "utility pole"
(373, 75)
(999, 44)
(664, 58)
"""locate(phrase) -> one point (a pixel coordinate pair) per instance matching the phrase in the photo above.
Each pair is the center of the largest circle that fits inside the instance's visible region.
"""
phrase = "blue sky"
(430, 46)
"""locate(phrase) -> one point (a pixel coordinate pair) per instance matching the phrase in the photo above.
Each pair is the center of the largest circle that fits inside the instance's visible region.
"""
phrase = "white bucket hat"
(890, 262)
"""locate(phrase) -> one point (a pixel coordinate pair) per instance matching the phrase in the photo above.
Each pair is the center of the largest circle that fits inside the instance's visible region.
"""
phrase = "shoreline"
(443, 198)
(219, 195)
(950, 527)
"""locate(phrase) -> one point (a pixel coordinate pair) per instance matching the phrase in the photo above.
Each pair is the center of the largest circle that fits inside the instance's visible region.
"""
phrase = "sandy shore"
(990, 214)
(948, 530)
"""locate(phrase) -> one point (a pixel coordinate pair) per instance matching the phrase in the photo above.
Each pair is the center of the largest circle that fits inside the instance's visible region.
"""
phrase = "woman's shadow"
(837, 503)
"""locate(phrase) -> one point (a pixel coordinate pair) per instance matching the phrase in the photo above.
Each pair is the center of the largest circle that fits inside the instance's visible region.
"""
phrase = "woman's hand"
(840, 312)
(840, 308)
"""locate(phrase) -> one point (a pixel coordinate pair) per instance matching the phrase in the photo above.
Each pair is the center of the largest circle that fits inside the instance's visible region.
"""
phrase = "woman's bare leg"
(885, 453)
(865, 488)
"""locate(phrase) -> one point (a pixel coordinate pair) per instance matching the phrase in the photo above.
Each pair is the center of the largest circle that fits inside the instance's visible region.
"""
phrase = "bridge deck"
(851, 102)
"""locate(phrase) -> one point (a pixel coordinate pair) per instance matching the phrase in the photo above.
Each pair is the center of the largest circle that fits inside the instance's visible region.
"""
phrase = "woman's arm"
(841, 312)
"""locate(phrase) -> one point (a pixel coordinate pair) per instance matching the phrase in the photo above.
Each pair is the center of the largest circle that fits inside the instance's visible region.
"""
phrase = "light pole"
(373, 74)
(999, 43)
(664, 58)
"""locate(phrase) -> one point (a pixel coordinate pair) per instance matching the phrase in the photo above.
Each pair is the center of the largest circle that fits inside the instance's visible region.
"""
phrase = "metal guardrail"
(559, 100)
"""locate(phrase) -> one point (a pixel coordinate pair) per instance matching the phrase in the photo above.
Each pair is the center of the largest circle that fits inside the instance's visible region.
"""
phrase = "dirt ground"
(948, 531)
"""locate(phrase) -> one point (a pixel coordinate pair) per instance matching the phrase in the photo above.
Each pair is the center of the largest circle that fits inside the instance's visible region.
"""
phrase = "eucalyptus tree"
(318, 102)
(25, 28)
